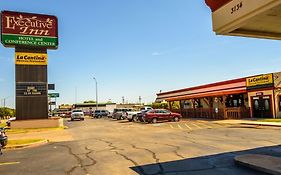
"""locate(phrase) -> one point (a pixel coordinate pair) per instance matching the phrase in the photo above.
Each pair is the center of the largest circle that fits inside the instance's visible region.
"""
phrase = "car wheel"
(176, 119)
(72, 119)
(135, 119)
(154, 120)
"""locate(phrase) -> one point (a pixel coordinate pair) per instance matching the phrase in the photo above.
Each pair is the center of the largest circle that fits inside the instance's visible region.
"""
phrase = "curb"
(261, 163)
(262, 124)
(28, 145)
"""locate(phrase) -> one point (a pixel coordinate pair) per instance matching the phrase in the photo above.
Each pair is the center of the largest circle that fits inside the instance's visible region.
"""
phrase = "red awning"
(216, 4)
(210, 94)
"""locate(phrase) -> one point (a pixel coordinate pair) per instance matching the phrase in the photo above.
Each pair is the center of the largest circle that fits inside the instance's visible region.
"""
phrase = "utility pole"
(96, 93)
(123, 100)
(140, 100)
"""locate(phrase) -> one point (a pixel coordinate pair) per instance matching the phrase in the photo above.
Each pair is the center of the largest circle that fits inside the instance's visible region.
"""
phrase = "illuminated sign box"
(23, 58)
(260, 81)
(27, 29)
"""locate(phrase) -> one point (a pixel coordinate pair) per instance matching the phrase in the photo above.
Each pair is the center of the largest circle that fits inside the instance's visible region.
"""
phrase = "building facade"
(250, 97)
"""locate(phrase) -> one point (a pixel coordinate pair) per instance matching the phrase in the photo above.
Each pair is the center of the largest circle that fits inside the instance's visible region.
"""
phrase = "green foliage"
(159, 105)
(175, 105)
(7, 112)
(90, 101)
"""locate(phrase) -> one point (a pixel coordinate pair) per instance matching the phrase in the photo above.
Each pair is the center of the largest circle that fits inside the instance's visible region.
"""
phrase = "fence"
(219, 113)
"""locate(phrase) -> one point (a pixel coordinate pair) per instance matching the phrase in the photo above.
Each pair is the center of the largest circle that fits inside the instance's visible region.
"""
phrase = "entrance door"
(261, 107)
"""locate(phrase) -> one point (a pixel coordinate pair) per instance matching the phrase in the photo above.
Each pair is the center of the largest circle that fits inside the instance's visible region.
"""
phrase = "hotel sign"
(27, 29)
(22, 58)
(261, 81)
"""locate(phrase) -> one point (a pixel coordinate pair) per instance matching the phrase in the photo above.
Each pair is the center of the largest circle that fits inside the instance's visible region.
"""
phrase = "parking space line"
(205, 125)
(188, 126)
(180, 127)
(9, 163)
(196, 125)
(172, 126)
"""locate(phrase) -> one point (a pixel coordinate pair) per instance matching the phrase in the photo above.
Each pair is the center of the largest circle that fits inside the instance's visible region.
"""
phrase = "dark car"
(100, 113)
(155, 115)
(140, 116)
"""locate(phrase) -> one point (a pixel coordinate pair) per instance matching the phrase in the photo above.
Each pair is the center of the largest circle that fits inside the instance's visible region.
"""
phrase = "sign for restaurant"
(27, 29)
(31, 89)
(22, 58)
(261, 81)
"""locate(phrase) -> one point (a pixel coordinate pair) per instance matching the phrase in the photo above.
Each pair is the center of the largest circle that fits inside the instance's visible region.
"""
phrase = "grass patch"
(12, 143)
(270, 120)
(3, 123)
(18, 131)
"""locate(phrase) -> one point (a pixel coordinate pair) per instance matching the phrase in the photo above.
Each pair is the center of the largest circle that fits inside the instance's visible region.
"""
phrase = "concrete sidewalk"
(250, 122)
(263, 163)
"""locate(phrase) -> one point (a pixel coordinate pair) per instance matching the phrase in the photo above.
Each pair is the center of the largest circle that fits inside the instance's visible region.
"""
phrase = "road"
(110, 147)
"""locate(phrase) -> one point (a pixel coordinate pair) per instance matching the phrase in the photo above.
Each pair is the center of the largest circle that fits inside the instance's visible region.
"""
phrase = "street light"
(96, 93)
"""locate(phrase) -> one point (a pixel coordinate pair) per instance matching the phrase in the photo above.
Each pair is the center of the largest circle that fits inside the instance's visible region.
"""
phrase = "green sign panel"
(11, 40)
(54, 95)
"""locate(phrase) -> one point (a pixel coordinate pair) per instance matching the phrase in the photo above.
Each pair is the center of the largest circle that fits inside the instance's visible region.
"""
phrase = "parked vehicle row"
(148, 115)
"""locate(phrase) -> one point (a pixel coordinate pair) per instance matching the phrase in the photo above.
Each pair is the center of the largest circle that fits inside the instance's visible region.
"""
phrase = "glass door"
(261, 107)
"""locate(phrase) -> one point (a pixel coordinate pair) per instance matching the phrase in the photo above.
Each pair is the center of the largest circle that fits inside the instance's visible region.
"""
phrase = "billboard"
(23, 58)
(28, 29)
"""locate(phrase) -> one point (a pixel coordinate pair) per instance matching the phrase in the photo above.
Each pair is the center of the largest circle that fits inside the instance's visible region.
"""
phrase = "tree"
(7, 112)
(90, 101)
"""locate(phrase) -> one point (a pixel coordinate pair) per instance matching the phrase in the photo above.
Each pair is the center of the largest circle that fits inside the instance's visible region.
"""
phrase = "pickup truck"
(133, 115)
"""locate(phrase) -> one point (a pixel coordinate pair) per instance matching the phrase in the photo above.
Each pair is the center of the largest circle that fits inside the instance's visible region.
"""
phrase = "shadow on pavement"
(211, 165)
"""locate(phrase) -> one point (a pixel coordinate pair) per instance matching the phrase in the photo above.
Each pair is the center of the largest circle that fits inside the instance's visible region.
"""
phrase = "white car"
(132, 115)
(77, 114)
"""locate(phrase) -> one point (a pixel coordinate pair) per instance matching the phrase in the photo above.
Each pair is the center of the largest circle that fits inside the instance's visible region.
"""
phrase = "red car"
(155, 115)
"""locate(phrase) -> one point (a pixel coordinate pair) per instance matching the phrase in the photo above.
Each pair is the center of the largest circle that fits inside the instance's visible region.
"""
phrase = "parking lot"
(107, 146)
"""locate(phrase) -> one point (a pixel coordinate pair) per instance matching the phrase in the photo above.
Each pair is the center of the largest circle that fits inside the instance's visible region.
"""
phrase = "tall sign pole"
(31, 35)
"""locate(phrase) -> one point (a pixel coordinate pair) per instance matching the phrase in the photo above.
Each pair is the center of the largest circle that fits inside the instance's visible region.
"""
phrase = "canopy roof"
(248, 18)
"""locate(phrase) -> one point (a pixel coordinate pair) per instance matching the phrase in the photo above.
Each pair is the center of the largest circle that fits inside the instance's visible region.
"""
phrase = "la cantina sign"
(29, 29)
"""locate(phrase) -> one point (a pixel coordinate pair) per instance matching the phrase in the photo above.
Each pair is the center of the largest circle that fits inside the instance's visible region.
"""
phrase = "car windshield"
(77, 110)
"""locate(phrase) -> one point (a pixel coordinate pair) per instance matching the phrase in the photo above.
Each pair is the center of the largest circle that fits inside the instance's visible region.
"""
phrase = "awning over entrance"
(248, 18)
(236, 86)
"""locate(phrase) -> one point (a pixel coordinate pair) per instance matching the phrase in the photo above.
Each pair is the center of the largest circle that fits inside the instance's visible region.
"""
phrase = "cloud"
(156, 54)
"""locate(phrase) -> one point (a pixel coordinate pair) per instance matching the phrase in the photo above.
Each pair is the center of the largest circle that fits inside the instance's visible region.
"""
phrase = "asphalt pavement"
(106, 146)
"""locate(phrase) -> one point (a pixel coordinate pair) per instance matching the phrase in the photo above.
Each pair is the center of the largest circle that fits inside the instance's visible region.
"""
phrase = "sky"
(136, 48)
